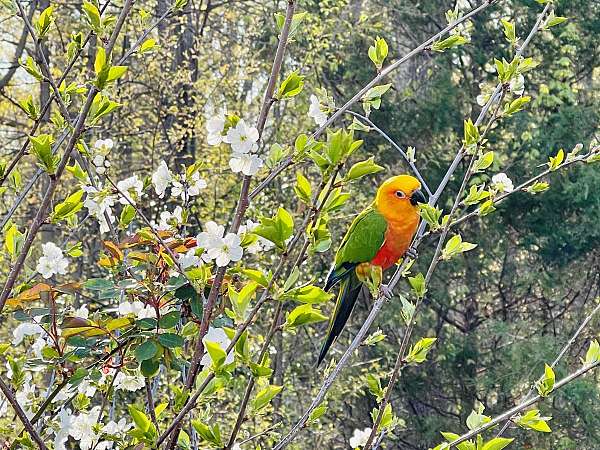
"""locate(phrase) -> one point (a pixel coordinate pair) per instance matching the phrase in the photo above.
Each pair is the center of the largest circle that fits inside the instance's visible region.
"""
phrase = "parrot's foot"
(412, 253)
(386, 291)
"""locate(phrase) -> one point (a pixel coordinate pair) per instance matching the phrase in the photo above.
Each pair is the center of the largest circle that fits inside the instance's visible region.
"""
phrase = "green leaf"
(309, 294)
(303, 188)
(556, 161)
(68, 208)
(516, 105)
(217, 354)
(208, 433)
(554, 20)
(92, 15)
(149, 368)
(145, 351)
(147, 46)
(141, 420)
(44, 22)
(452, 41)
(13, 239)
(116, 72)
(538, 187)
(477, 418)
(483, 162)
(497, 444)
(472, 135)
(291, 86)
(418, 352)
(360, 169)
(170, 340)
(532, 420)
(431, 215)
(509, 31)
(546, 385)
(241, 300)
(276, 229)
(303, 315)
(456, 246)
(264, 397)
(476, 194)
(592, 355)
(169, 320)
(42, 149)
(417, 283)
(100, 61)
(32, 68)
(378, 52)
(127, 215)
(372, 98)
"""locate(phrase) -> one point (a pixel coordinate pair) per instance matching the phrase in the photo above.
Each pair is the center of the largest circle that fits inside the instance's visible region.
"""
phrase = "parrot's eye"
(400, 194)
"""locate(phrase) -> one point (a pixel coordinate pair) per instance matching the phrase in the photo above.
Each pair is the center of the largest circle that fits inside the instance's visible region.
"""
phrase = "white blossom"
(130, 383)
(189, 259)
(104, 144)
(248, 164)
(359, 437)
(314, 111)
(215, 126)
(196, 184)
(502, 183)
(26, 329)
(137, 308)
(98, 203)
(52, 262)
(228, 250)
(241, 137)
(82, 428)
(61, 436)
(218, 336)
(211, 236)
(82, 312)
(166, 217)
(131, 188)
(161, 178)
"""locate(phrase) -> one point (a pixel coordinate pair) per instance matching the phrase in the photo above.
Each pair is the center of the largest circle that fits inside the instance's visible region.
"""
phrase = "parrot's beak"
(417, 197)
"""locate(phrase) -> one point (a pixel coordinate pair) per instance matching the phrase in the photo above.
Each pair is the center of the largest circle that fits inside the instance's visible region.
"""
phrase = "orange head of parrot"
(398, 198)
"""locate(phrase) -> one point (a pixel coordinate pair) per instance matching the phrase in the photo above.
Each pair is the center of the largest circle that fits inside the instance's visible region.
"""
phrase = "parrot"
(377, 238)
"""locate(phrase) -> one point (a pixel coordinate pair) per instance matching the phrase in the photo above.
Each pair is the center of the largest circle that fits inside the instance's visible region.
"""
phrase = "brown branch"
(10, 396)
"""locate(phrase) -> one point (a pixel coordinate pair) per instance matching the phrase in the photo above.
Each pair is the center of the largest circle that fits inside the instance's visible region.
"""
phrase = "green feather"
(363, 239)
(361, 243)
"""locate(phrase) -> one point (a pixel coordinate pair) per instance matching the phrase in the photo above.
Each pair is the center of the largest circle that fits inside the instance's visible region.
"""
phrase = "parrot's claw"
(386, 291)
(412, 253)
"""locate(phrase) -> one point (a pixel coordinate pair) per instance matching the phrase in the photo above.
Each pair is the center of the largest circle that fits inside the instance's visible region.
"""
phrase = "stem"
(10, 396)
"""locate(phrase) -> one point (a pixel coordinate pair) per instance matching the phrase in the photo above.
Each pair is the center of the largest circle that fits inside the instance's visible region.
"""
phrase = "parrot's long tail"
(349, 289)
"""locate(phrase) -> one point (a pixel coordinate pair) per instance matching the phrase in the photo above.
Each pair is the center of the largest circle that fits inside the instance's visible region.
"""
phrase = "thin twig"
(10, 396)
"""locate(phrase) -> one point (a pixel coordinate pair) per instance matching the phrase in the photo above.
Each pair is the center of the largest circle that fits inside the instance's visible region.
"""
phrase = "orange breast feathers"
(398, 237)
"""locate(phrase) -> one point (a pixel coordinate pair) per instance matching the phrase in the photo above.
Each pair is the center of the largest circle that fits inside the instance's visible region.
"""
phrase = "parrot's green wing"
(363, 239)
(361, 243)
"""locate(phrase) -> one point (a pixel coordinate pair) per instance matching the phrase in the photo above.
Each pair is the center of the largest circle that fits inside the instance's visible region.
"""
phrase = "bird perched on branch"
(377, 238)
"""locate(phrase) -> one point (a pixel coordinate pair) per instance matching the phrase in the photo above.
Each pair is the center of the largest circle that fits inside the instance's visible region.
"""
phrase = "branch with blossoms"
(176, 309)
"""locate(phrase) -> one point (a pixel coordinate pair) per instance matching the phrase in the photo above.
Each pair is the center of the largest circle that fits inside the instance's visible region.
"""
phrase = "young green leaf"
(378, 52)
(418, 352)
(546, 385)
